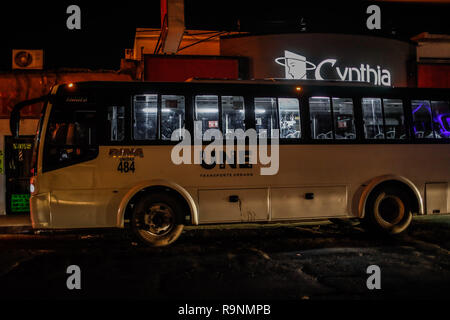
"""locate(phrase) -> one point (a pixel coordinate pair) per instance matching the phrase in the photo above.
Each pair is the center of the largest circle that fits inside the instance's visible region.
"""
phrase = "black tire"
(388, 210)
(157, 219)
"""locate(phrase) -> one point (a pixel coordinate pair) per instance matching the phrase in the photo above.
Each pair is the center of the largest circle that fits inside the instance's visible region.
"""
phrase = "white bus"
(103, 155)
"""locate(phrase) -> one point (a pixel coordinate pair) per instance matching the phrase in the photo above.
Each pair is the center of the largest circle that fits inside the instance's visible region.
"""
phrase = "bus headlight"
(32, 186)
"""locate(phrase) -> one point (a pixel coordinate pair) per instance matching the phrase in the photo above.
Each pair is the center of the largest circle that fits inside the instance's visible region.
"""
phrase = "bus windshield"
(71, 135)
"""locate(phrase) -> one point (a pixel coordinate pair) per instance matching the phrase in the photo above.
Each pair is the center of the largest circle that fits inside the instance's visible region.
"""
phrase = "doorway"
(18, 165)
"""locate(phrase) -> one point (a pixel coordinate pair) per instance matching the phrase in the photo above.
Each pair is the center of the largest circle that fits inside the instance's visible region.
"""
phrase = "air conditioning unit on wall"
(27, 59)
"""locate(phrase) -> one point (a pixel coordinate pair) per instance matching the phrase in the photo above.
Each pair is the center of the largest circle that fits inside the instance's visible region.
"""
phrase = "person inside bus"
(65, 137)
(76, 137)
(145, 128)
(58, 136)
(168, 125)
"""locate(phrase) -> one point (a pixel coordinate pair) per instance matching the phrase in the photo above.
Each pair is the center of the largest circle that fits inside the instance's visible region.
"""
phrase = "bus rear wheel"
(388, 210)
(157, 220)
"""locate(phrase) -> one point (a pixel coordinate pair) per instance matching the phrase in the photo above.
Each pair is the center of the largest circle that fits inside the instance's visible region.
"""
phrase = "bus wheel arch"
(387, 204)
(157, 219)
(133, 196)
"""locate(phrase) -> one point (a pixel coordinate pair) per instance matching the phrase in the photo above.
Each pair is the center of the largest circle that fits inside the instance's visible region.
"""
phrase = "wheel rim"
(157, 220)
(389, 210)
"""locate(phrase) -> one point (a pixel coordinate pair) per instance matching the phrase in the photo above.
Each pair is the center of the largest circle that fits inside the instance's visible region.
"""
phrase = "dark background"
(107, 28)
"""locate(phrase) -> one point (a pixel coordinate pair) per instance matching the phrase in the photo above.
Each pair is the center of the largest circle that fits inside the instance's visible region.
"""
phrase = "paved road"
(325, 261)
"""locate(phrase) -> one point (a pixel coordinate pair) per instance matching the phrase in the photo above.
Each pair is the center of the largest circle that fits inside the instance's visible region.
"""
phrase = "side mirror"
(14, 120)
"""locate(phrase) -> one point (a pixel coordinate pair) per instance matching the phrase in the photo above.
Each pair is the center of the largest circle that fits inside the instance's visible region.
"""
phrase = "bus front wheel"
(156, 219)
(388, 210)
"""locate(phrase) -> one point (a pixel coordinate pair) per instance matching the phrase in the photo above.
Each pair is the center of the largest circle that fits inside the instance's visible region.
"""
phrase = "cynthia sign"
(296, 67)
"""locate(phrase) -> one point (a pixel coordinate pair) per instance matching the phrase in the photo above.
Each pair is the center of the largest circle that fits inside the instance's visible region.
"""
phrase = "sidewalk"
(15, 223)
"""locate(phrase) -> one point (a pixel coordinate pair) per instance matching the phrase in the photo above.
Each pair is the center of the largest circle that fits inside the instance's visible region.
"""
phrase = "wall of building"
(435, 50)
(319, 56)
(19, 86)
(433, 75)
(433, 60)
(181, 68)
(146, 39)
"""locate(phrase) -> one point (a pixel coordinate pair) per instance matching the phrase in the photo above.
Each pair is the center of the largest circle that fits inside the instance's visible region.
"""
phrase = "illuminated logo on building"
(296, 67)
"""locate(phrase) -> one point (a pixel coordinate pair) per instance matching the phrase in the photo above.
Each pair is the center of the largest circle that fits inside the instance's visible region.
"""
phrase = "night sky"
(107, 28)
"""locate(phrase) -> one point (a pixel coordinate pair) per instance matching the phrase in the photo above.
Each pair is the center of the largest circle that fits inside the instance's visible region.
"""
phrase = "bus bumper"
(40, 211)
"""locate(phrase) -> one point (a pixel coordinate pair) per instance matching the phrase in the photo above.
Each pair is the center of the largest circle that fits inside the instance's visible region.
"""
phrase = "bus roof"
(283, 84)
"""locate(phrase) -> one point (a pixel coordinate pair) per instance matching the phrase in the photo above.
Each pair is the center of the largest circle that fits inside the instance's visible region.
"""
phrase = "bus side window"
(207, 111)
(422, 120)
(266, 116)
(320, 116)
(441, 119)
(233, 114)
(394, 119)
(116, 123)
(172, 115)
(344, 120)
(288, 109)
(145, 117)
(373, 118)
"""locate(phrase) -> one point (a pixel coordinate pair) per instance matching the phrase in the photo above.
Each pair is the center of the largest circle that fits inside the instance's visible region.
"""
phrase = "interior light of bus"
(164, 110)
(298, 89)
(207, 110)
(153, 110)
(70, 85)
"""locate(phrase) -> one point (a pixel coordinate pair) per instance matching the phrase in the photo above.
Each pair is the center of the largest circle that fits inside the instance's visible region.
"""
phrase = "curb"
(16, 229)
(15, 223)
